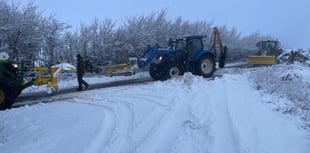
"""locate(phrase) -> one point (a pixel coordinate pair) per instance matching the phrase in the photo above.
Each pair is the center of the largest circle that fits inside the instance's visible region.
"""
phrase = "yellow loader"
(267, 54)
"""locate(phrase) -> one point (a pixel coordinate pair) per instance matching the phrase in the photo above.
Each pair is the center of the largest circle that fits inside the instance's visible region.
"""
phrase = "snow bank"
(299, 55)
(289, 82)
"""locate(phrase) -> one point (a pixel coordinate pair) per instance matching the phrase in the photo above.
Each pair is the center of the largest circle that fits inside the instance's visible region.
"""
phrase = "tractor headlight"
(158, 59)
(15, 66)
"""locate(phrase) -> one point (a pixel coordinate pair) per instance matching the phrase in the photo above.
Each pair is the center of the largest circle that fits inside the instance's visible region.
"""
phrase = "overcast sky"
(286, 20)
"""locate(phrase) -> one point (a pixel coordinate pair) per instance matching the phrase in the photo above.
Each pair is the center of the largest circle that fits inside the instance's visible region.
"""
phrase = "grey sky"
(286, 20)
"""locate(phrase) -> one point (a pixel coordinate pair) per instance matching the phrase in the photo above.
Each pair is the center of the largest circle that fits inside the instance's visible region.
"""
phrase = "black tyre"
(172, 70)
(6, 97)
(17, 93)
(154, 74)
(206, 66)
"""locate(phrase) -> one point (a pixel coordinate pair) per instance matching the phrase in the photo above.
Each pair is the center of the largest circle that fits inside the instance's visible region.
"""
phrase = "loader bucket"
(264, 60)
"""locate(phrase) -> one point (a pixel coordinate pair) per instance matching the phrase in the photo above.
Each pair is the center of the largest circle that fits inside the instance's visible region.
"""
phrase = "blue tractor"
(187, 55)
(150, 53)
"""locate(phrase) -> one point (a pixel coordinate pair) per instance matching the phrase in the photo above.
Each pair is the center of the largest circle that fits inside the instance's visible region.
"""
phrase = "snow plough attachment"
(49, 76)
(136, 63)
(121, 69)
(261, 60)
(267, 53)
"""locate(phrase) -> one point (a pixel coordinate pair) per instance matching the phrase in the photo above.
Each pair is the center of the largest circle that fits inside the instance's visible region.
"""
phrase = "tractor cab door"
(193, 46)
(180, 47)
(188, 47)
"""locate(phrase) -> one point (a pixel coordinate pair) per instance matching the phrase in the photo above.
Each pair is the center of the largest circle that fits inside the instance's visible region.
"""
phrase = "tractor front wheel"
(154, 73)
(6, 99)
(206, 66)
(172, 71)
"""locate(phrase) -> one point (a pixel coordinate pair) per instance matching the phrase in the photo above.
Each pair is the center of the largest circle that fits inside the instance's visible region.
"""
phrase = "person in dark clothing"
(81, 72)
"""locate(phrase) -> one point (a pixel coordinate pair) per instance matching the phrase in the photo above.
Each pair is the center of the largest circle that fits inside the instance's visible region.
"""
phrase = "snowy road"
(188, 114)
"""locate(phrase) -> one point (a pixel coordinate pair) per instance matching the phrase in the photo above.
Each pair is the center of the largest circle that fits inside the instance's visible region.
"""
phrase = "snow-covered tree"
(53, 29)
(70, 46)
(21, 29)
(24, 32)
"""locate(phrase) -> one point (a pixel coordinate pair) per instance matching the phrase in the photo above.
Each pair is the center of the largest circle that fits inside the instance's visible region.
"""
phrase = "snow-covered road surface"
(188, 114)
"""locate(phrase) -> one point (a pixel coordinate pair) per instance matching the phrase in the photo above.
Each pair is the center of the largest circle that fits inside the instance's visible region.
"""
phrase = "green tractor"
(11, 82)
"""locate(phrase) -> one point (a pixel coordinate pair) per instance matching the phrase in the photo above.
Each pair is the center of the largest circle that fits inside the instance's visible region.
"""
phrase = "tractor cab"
(187, 46)
(268, 47)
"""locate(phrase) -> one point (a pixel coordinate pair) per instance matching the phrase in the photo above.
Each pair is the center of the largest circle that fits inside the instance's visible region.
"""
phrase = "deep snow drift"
(240, 112)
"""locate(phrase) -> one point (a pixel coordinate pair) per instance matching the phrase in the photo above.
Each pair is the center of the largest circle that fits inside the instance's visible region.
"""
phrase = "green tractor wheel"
(6, 101)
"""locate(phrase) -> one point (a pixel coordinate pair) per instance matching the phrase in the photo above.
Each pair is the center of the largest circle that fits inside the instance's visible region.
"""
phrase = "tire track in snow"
(124, 138)
(224, 136)
(126, 124)
(253, 144)
(136, 124)
(260, 129)
(119, 140)
(114, 138)
(149, 124)
(166, 130)
(194, 135)
(105, 129)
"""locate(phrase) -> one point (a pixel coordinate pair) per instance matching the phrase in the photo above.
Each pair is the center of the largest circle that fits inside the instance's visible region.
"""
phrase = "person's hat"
(78, 55)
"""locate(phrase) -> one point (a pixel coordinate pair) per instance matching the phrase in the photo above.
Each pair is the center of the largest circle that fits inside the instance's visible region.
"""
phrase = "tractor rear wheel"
(6, 99)
(172, 70)
(206, 66)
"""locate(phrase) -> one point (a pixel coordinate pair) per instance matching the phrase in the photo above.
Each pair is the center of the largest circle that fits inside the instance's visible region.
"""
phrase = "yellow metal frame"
(46, 77)
(49, 76)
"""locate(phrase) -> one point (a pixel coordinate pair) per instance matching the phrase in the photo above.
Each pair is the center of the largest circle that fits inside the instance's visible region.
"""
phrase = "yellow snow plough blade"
(264, 60)
(49, 76)
(121, 69)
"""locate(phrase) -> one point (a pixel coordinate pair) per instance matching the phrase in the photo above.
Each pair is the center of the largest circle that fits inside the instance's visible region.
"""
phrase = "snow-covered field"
(254, 110)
